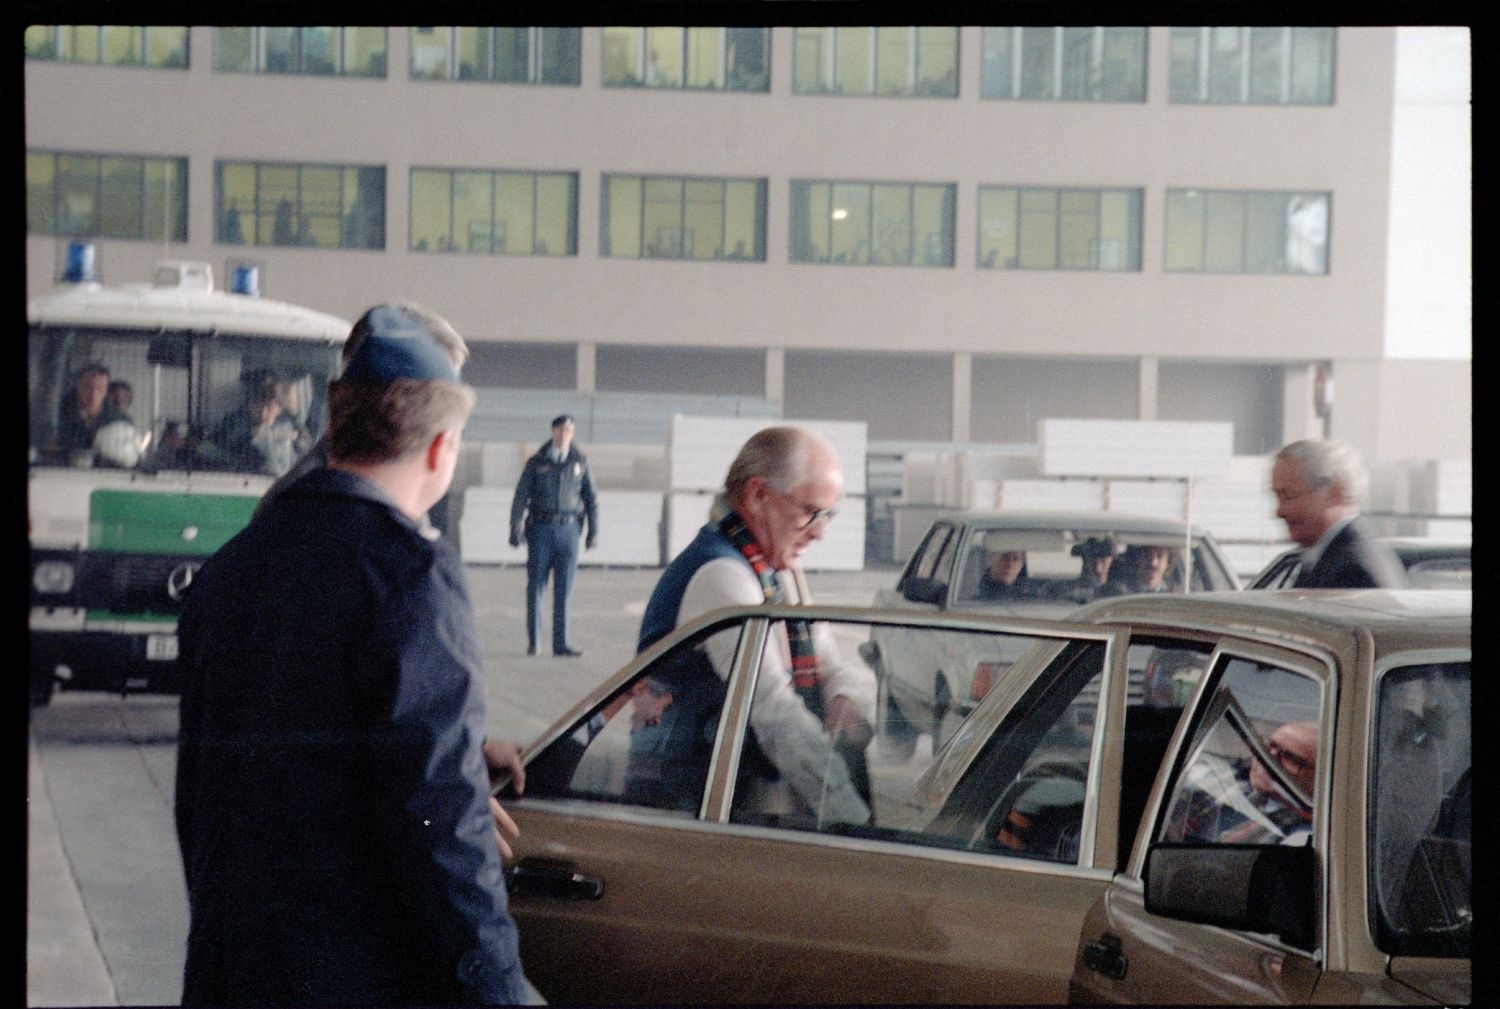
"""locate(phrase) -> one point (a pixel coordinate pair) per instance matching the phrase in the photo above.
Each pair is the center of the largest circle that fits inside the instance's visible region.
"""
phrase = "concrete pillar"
(1355, 418)
(776, 375)
(963, 395)
(1147, 395)
(587, 367)
(1299, 415)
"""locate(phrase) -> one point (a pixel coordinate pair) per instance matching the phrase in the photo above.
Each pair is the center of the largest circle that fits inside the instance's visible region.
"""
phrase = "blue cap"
(399, 345)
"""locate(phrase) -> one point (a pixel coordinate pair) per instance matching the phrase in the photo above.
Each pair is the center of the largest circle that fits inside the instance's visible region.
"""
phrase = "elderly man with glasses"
(780, 493)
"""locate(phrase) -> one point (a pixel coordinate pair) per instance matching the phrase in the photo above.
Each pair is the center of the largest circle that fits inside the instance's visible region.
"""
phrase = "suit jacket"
(1354, 559)
(332, 802)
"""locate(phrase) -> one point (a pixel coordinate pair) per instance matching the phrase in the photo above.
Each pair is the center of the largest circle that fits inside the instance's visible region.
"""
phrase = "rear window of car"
(1420, 797)
(1055, 561)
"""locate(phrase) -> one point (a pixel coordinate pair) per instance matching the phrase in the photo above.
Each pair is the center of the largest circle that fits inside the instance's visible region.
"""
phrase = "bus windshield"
(134, 399)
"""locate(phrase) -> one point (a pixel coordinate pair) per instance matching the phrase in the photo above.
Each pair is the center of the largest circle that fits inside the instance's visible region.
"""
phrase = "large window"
(117, 45)
(106, 195)
(325, 206)
(1211, 231)
(1257, 66)
(506, 55)
(880, 223)
(346, 52)
(876, 61)
(668, 217)
(1068, 64)
(730, 59)
(494, 212)
(1059, 229)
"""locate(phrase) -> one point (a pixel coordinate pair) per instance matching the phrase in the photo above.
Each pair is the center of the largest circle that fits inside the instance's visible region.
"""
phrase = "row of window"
(518, 213)
(1255, 65)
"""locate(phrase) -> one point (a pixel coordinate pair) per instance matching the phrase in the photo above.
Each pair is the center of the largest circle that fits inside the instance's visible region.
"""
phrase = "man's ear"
(435, 448)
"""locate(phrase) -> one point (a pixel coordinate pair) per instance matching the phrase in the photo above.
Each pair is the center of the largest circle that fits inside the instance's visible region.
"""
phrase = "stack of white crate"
(1240, 511)
(1050, 495)
(1445, 488)
(1157, 498)
(699, 452)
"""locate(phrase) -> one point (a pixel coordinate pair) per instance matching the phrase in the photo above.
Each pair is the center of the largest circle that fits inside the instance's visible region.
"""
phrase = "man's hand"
(515, 536)
(588, 543)
(502, 757)
(844, 717)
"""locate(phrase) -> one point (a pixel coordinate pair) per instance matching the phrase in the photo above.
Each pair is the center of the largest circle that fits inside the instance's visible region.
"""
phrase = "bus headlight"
(53, 577)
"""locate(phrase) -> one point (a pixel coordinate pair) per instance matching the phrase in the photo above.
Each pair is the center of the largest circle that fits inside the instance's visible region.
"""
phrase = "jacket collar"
(326, 481)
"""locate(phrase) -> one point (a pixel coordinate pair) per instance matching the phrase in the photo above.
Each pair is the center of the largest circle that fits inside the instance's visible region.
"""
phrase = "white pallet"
(1158, 498)
(629, 529)
(1148, 448)
(1070, 495)
(700, 449)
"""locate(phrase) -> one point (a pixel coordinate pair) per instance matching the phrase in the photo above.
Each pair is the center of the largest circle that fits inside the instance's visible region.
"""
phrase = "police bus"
(159, 414)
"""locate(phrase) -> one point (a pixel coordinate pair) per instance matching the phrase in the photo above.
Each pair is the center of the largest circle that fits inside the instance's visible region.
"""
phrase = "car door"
(734, 875)
(1190, 928)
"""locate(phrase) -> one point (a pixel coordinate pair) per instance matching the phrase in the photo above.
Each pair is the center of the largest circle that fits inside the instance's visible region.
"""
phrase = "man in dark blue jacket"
(339, 842)
(555, 495)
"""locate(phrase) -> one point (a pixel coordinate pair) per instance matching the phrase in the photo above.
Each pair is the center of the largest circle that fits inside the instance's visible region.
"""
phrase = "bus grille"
(133, 583)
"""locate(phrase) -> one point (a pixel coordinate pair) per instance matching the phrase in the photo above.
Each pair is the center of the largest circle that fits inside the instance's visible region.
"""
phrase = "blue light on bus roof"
(245, 280)
(78, 264)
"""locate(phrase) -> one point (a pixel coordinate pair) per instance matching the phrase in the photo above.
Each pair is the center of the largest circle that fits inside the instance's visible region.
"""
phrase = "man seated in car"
(1258, 809)
(1142, 569)
(1098, 555)
(1004, 575)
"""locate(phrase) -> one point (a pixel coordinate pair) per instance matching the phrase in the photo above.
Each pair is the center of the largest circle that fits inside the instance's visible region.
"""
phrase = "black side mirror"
(924, 590)
(1249, 887)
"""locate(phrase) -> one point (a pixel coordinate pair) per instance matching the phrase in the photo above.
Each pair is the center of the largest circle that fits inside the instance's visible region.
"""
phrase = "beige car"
(1225, 797)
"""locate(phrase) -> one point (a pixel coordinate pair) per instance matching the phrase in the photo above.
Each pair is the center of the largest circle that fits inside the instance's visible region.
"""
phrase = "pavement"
(106, 915)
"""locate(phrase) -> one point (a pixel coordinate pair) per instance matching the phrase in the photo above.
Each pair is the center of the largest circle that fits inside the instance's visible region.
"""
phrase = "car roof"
(1397, 619)
(1091, 521)
(1413, 549)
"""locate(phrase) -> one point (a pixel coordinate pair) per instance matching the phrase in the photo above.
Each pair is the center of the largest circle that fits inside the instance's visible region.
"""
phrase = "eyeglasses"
(810, 516)
(1289, 760)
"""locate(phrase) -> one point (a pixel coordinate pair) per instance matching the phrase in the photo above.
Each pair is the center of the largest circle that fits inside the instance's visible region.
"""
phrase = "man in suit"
(1319, 486)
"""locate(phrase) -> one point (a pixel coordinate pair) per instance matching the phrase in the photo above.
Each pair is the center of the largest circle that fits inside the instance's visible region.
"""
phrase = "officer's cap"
(399, 345)
(1095, 546)
(561, 419)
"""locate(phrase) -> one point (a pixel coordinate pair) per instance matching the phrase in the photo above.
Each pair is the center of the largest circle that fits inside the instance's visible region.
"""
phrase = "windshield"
(1001, 564)
(130, 399)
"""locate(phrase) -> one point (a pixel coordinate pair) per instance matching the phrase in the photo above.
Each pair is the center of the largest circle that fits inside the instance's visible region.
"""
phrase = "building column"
(587, 367)
(1299, 412)
(963, 395)
(776, 376)
(1147, 394)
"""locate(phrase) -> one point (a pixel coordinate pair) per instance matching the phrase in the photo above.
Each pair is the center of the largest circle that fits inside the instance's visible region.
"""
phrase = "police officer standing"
(556, 496)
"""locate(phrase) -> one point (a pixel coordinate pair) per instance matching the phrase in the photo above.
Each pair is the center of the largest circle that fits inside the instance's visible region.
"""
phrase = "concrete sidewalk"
(64, 966)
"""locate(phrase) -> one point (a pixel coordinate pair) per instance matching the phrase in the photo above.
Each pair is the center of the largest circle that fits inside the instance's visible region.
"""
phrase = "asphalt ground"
(106, 919)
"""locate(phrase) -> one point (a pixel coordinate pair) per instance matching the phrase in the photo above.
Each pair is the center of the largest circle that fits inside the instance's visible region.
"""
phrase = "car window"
(1250, 772)
(649, 744)
(1420, 869)
(1023, 795)
(934, 546)
(1281, 572)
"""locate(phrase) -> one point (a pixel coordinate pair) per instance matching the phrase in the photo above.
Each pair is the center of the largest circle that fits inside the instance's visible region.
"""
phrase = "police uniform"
(556, 497)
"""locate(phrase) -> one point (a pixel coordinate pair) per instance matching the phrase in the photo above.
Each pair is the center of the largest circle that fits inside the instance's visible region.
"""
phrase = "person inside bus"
(84, 410)
(258, 437)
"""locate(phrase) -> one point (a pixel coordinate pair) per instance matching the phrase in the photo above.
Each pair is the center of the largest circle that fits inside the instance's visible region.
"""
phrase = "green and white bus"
(128, 498)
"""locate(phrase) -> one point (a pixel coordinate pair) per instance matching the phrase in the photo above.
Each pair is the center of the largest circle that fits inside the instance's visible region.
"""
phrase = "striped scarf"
(805, 676)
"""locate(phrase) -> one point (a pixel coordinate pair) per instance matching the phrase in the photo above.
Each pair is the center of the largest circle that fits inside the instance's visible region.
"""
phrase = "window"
(1255, 66)
(1211, 231)
(106, 195)
(1059, 229)
(729, 59)
(881, 223)
(344, 52)
(1250, 774)
(668, 217)
(325, 206)
(1067, 64)
(1421, 865)
(115, 45)
(504, 55)
(876, 61)
(494, 212)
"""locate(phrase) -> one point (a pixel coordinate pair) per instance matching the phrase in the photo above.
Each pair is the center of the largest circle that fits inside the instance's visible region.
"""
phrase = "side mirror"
(1253, 888)
(924, 590)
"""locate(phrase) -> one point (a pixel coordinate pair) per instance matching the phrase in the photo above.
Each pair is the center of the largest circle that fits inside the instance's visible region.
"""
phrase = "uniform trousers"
(551, 550)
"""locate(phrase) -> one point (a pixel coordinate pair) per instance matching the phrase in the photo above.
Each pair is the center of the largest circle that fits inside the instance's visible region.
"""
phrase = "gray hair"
(781, 455)
(1330, 464)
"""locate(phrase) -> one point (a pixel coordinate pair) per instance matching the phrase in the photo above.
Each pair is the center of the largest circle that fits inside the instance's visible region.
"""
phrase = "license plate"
(161, 647)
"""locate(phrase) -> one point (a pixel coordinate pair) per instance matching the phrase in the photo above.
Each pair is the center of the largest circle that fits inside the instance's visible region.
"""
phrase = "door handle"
(540, 877)
(1105, 956)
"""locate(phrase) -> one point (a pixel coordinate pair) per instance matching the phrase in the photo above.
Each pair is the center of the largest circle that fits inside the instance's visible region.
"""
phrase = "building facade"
(947, 233)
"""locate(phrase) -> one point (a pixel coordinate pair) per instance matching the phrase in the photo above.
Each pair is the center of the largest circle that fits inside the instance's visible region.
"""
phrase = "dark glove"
(515, 536)
(588, 543)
